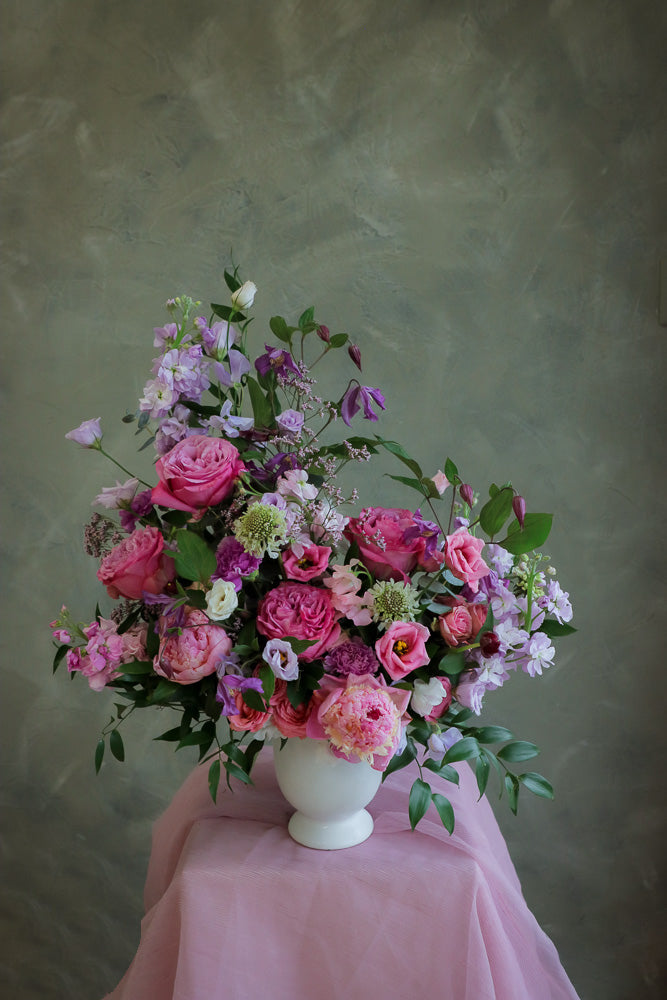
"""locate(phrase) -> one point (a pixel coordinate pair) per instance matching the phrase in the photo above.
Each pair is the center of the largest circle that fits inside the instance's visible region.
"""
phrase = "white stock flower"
(244, 296)
(221, 600)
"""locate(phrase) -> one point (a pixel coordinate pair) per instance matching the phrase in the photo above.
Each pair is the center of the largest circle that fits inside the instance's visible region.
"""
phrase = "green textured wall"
(476, 191)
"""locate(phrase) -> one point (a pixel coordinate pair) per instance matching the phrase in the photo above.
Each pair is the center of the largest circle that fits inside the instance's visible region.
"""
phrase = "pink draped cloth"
(236, 910)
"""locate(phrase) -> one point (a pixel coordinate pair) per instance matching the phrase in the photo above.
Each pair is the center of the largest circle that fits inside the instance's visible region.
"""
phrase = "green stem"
(122, 467)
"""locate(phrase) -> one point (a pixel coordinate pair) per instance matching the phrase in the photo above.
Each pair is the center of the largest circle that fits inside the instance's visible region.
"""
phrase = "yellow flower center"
(400, 647)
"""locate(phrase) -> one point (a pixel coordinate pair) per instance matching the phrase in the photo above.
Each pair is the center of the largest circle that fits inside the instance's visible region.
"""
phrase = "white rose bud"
(244, 296)
(221, 600)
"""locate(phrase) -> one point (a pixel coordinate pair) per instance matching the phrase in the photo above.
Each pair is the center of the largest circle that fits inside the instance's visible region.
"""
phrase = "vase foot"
(331, 835)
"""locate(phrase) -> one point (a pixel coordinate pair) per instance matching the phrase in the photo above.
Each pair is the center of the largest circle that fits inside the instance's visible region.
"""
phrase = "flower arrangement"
(248, 600)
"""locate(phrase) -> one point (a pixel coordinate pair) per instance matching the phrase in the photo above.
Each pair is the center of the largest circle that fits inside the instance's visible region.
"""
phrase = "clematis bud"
(489, 644)
(355, 354)
(244, 296)
(466, 494)
(323, 333)
(519, 508)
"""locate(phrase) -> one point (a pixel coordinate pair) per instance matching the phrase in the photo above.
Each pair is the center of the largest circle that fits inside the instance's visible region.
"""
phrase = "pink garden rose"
(247, 719)
(379, 532)
(402, 648)
(360, 716)
(462, 623)
(463, 557)
(194, 653)
(139, 563)
(313, 562)
(302, 611)
(289, 721)
(198, 472)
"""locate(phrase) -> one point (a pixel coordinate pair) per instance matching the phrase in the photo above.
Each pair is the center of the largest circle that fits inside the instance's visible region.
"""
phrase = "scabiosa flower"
(351, 657)
(262, 529)
(393, 601)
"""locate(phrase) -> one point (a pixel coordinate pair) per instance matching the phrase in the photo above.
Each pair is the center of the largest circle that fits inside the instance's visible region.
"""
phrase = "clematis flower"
(276, 359)
(357, 396)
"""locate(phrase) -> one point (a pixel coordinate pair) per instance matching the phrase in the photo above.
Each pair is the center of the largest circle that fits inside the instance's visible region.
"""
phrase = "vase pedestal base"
(332, 835)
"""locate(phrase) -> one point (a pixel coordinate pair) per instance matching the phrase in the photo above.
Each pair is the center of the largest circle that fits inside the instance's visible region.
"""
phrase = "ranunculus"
(244, 296)
(198, 472)
(393, 558)
(192, 652)
(462, 623)
(288, 720)
(463, 557)
(247, 719)
(139, 563)
(311, 563)
(301, 611)
(402, 648)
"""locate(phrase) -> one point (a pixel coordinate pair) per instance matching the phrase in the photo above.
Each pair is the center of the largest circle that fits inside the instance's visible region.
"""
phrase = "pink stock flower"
(402, 648)
(139, 563)
(301, 611)
(379, 534)
(360, 716)
(313, 562)
(463, 622)
(192, 652)
(463, 557)
(198, 472)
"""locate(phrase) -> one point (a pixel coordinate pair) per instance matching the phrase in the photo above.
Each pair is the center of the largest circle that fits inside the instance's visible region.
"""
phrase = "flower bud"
(244, 296)
(466, 494)
(355, 354)
(323, 333)
(489, 644)
(519, 508)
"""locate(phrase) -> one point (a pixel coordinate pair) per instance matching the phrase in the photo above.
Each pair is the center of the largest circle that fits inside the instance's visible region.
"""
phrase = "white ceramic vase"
(328, 793)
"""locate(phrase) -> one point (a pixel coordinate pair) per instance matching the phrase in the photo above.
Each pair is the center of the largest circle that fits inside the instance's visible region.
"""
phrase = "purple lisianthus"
(233, 562)
(290, 422)
(88, 434)
(276, 359)
(282, 659)
(352, 657)
(358, 396)
(470, 691)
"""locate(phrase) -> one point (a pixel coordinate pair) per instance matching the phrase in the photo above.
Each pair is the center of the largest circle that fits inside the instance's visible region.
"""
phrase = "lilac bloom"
(276, 359)
(282, 659)
(558, 603)
(499, 558)
(229, 684)
(183, 371)
(357, 396)
(88, 434)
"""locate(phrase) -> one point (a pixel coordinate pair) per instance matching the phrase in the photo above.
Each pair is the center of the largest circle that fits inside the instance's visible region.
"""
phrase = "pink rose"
(443, 705)
(463, 558)
(379, 533)
(313, 562)
(463, 622)
(289, 721)
(247, 719)
(139, 563)
(301, 611)
(402, 648)
(194, 653)
(198, 472)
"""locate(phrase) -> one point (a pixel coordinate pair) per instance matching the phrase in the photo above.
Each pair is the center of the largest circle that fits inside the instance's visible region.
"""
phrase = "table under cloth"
(236, 910)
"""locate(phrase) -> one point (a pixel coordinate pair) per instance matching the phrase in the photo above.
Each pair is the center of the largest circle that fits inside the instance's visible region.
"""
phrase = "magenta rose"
(198, 472)
(312, 563)
(301, 611)
(462, 622)
(402, 648)
(192, 652)
(463, 557)
(139, 563)
(379, 533)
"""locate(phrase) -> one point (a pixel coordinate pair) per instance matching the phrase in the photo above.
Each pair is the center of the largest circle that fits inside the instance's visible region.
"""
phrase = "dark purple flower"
(352, 657)
(466, 494)
(489, 644)
(228, 684)
(233, 562)
(276, 466)
(421, 528)
(357, 396)
(355, 354)
(519, 508)
(276, 359)
(323, 333)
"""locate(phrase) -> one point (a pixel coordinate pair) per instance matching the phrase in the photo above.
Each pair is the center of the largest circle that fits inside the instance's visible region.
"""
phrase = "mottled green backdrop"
(475, 190)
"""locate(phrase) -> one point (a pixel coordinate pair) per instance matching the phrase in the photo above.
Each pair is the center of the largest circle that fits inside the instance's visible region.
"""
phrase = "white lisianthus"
(244, 296)
(426, 696)
(221, 600)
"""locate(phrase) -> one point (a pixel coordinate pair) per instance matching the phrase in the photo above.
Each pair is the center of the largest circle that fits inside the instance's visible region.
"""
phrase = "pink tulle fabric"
(236, 910)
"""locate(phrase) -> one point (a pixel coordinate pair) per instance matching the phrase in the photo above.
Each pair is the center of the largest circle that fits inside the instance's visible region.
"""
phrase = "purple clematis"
(358, 396)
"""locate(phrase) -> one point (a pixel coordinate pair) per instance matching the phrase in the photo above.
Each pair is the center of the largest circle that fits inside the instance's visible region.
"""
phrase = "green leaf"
(194, 559)
(60, 653)
(512, 786)
(399, 451)
(171, 735)
(445, 811)
(224, 312)
(300, 645)
(280, 329)
(214, 779)
(195, 738)
(536, 528)
(555, 629)
(306, 317)
(415, 484)
(138, 667)
(400, 760)
(232, 282)
(268, 679)
(176, 518)
(517, 751)
(496, 511)
(482, 769)
(261, 407)
(491, 734)
(338, 340)
(452, 663)
(419, 801)
(465, 749)
(445, 771)
(537, 784)
(254, 700)
(116, 745)
(452, 472)
(236, 772)
(99, 755)
(164, 690)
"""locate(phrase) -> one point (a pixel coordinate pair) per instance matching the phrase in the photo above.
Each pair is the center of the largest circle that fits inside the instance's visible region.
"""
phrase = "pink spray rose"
(463, 557)
(247, 719)
(379, 534)
(313, 562)
(402, 648)
(302, 611)
(139, 563)
(198, 472)
(462, 623)
(193, 652)
(289, 721)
